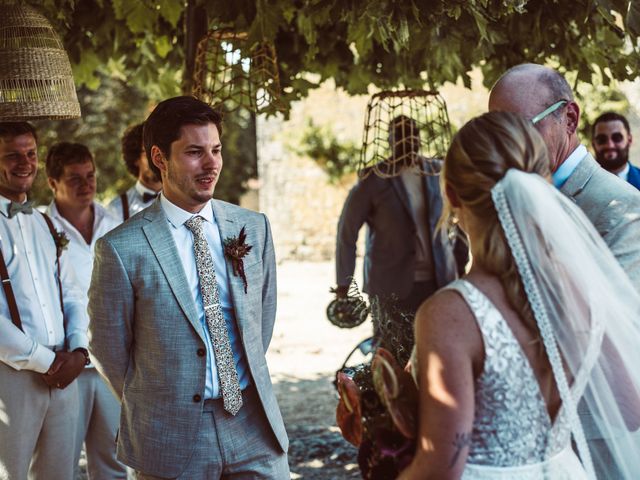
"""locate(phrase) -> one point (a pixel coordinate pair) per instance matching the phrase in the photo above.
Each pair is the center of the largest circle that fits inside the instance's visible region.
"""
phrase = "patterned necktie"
(16, 208)
(227, 374)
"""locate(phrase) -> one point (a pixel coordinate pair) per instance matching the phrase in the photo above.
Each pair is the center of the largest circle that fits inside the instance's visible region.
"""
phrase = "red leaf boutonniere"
(236, 248)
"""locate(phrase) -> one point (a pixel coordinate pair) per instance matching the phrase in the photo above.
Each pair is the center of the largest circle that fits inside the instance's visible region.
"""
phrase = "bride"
(545, 318)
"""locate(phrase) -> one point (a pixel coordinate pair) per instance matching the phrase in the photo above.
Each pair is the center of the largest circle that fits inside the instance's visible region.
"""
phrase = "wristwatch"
(85, 352)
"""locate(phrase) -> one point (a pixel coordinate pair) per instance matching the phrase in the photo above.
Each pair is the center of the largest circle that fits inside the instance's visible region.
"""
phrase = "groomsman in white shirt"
(71, 174)
(43, 325)
(147, 186)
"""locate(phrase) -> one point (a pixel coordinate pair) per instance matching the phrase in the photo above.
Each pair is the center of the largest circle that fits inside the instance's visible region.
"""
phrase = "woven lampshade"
(36, 81)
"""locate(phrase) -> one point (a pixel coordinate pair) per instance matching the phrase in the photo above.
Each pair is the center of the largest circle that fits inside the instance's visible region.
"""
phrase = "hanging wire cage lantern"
(231, 74)
(405, 128)
(36, 81)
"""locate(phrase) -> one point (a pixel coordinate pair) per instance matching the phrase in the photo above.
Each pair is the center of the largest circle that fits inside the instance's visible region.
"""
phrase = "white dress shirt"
(135, 195)
(79, 252)
(413, 181)
(624, 173)
(184, 243)
(30, 254)
(568, 166)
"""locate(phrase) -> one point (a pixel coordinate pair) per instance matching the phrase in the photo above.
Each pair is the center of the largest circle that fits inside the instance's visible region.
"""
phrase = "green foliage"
(336, 158)
(357, 42)
(106, 113)
(597, 99)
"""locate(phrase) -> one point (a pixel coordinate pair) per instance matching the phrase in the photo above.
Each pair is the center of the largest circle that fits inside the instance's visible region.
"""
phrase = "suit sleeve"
(354, 214)
(111, 311)
(623, 237)
(269, 287)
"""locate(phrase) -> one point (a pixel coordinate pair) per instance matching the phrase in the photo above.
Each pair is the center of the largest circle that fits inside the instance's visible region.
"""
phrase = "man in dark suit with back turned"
(406, 254)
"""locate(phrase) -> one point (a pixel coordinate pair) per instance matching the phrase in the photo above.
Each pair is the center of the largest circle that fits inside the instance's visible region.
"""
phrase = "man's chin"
(612, 165)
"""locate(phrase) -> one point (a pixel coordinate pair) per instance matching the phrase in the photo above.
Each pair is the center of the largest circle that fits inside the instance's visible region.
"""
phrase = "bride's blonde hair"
(479, 156)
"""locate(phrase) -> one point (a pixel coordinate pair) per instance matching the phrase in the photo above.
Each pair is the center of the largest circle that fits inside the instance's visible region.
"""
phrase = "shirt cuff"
(77, 340)
(41, 359)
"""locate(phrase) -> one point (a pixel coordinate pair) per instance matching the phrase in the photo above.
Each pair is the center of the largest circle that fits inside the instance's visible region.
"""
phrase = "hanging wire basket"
(230, 74)
(405, 128)
(36, 81)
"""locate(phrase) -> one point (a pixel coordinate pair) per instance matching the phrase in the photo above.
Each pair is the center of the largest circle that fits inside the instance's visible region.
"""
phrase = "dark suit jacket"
(634, 176)
(389, 263)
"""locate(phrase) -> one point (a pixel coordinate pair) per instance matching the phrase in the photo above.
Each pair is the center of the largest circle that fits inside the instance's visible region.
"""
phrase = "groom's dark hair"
(163, 126)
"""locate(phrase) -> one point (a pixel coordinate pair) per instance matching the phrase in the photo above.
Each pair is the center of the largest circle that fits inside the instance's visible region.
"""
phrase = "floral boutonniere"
(61, 240)
(236, 248)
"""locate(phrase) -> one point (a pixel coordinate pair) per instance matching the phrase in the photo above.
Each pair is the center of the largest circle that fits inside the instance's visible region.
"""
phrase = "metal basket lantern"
(36, 81)
(230, 72)
(406, 128)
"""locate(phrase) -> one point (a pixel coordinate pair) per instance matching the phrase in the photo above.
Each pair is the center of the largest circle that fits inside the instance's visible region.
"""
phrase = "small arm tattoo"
(462, 440)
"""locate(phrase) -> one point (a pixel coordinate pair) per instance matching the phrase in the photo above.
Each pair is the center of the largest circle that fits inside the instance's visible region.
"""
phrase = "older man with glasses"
(613, 206)
(611, 140)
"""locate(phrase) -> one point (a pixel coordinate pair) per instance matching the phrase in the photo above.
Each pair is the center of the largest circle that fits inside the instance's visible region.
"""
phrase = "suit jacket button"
(197, 398)
(201, 352)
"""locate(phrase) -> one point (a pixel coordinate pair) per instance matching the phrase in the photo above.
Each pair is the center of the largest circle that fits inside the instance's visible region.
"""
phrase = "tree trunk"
(196, 25)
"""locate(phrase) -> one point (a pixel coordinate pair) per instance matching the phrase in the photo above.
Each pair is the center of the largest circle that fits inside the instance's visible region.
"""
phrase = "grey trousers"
(37, 427)
(98, 421)
(239, 448)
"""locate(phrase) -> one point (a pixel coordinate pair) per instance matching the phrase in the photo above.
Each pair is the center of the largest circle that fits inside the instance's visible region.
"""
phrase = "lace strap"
(540, 314)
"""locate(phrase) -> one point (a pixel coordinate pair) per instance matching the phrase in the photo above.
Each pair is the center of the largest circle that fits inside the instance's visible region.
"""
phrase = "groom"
(177, 329)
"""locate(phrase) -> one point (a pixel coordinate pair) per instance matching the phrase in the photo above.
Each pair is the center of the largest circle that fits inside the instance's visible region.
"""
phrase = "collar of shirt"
(568, 166)
(141, 189)
(103, 221)
(177, 216)
(624, 174)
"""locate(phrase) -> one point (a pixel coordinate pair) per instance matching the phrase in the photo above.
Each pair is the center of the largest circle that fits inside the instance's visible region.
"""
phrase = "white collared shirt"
(80, 252)
(30, 254)
(567, 167)
(413, 181)
(183, 238)
(135, 195)
(624, 173)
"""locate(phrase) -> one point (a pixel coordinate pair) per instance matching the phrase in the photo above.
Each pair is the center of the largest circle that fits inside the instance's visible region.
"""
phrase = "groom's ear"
(158, 158)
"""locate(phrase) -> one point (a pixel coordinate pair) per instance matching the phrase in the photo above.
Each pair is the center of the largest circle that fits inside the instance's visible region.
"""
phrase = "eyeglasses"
(602, 138)
(548, 111)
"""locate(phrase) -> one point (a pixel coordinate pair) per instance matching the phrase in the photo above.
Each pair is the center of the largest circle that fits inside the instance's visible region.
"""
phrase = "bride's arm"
(447, 341)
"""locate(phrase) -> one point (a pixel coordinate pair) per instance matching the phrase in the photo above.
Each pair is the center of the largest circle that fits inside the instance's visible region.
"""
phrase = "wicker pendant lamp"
(36, 81)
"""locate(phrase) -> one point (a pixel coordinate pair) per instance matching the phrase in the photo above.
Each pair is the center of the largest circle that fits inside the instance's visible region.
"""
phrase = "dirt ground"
(305, 352)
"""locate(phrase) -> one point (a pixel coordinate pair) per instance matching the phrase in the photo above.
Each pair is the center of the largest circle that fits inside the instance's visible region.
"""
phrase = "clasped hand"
(65, 368)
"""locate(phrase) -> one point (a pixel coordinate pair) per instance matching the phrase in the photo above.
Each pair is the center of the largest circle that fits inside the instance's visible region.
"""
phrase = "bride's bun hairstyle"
(480, 154)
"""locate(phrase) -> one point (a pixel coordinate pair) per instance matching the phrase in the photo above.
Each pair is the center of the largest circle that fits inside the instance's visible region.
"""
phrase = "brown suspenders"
(6, 281)
(125, 206)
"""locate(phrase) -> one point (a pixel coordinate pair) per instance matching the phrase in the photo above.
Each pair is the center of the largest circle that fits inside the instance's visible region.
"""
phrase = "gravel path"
(305, 352)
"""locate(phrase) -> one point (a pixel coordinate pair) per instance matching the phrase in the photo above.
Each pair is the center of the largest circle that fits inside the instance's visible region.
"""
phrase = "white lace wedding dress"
(513, 436)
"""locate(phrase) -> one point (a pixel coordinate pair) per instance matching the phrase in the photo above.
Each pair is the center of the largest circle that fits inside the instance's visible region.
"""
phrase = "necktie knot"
(15, 208)
(147, 197)
(194, 224)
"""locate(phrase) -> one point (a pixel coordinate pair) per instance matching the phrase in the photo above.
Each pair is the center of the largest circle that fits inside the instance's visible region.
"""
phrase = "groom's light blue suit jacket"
(147, 340)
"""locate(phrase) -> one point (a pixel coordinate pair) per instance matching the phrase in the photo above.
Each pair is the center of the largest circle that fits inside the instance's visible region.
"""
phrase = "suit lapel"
(164, 248)
(634, 176)
(229, 226)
